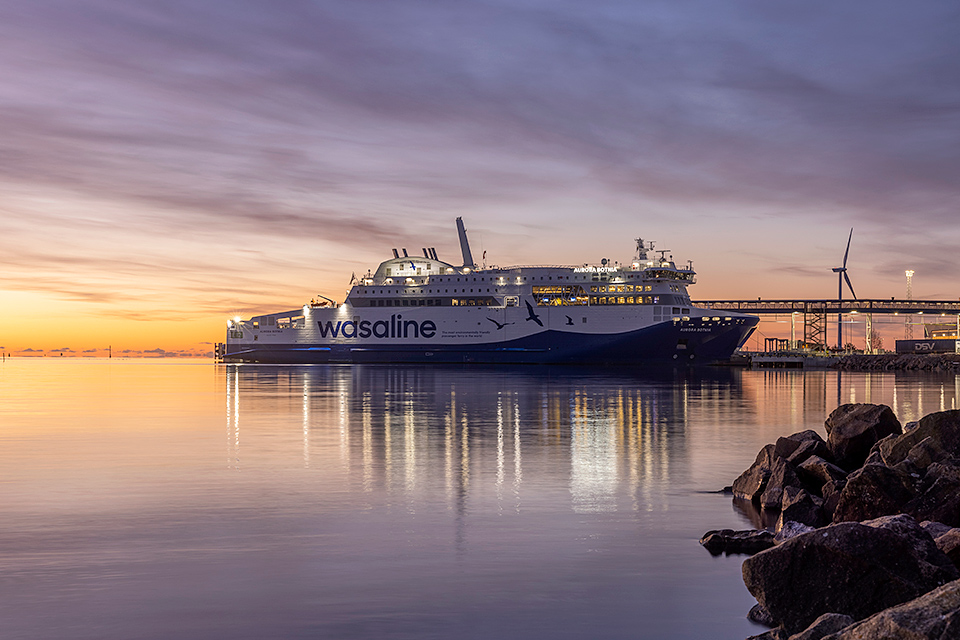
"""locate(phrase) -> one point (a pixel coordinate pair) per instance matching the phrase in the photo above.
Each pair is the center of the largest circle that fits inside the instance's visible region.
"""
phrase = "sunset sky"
(169, 164)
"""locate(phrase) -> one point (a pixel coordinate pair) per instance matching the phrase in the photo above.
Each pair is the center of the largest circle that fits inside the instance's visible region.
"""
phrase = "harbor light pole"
(907, 327)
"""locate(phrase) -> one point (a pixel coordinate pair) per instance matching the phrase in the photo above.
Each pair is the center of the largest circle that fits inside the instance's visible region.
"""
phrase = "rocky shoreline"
(865, 539)
(899, 362)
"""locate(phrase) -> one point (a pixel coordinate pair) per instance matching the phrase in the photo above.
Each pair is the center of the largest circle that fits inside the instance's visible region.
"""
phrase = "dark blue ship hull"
(698, 340)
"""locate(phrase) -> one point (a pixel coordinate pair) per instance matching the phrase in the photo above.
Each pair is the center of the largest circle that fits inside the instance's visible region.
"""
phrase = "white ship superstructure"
(422, 309)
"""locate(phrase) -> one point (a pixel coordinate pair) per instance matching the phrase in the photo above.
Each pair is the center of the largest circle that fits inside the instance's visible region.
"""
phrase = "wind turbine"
(841, 276)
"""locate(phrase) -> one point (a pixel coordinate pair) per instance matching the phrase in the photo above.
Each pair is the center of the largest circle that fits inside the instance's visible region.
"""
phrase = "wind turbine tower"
(907, 327)
(841, 277)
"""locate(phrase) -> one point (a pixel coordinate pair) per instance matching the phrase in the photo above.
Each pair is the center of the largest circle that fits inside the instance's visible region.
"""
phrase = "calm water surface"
(184, 499)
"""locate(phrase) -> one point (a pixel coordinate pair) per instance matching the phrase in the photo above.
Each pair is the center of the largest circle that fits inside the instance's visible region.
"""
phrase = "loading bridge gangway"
(816, 311)
(888, 306)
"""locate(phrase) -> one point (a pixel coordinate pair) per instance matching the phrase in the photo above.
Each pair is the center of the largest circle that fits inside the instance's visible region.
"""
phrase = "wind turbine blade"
(850, 286)
(847, 252)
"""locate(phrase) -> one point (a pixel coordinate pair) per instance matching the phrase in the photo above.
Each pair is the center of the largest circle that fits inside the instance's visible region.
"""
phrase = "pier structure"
(813, 313)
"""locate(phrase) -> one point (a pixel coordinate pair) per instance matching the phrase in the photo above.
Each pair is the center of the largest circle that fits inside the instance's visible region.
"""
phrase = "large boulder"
(949, 543)
(848, 568)
(823, 626)
(815, 472)
(873, 491)
(787, 446)
(853, 429)
(751, 484)
(933, 616)
(946, 538)
(937, 564)
(812, 447)
(800, 506)
(939, 498)
(942, 428)
(792, 450)
(782, 475)
(925, 453)
(831, 496)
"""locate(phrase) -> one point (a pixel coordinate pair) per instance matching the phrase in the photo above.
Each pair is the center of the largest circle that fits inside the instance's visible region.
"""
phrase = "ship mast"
(464, 244)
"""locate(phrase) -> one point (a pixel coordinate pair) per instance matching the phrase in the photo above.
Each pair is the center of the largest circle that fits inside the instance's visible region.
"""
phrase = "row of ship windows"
(396, 291)
(482, 279)
(541, 302)
(619, 288)
(503, 280)
(431, 302)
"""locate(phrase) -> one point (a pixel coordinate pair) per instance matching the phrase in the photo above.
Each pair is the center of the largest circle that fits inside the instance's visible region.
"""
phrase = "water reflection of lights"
(233, 418)
(911, 395)
(306, 424)
(367, 439)
(393, 428)
(500, 452)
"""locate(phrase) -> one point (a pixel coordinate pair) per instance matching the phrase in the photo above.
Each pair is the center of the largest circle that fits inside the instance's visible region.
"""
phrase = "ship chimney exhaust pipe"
(464, 244)
(395, 254)
(405, 253)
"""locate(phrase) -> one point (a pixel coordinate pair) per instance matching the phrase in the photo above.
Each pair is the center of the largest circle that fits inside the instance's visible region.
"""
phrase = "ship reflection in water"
(419, 432)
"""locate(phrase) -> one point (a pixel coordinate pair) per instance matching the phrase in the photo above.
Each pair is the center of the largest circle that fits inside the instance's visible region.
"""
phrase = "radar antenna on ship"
(642, 248)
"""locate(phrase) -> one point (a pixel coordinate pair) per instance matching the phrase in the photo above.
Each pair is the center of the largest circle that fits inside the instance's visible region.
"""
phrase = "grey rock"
(782, 475)
(879, 451)
(815, 472)
(823, 626)
(800, 506)
(752, 482)
(847, 568)
(729, 541)
(935, 529)
(925, 453)
(932, 616)
(810, 448)
(943, 428)
(949, 543)
(831, 496)
(853, 429)
(935, 562)
(761, 616)
(873, 491)
(789, 529)
(787, 446)
(939, 498)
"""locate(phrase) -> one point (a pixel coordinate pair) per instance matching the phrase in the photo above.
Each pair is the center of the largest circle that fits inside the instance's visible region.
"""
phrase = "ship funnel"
(425, 254)
(433, 253)
(464, 244)
(405, 253)
(395, 254)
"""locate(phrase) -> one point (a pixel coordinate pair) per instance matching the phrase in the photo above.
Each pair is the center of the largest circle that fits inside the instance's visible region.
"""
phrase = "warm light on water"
(183, 499)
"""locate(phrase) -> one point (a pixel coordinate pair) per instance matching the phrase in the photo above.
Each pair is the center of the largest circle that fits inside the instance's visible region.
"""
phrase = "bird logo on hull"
(500, 325)
(532, 316)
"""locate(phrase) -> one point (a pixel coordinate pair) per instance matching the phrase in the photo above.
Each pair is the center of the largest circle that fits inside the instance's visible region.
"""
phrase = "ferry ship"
(420, 309)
